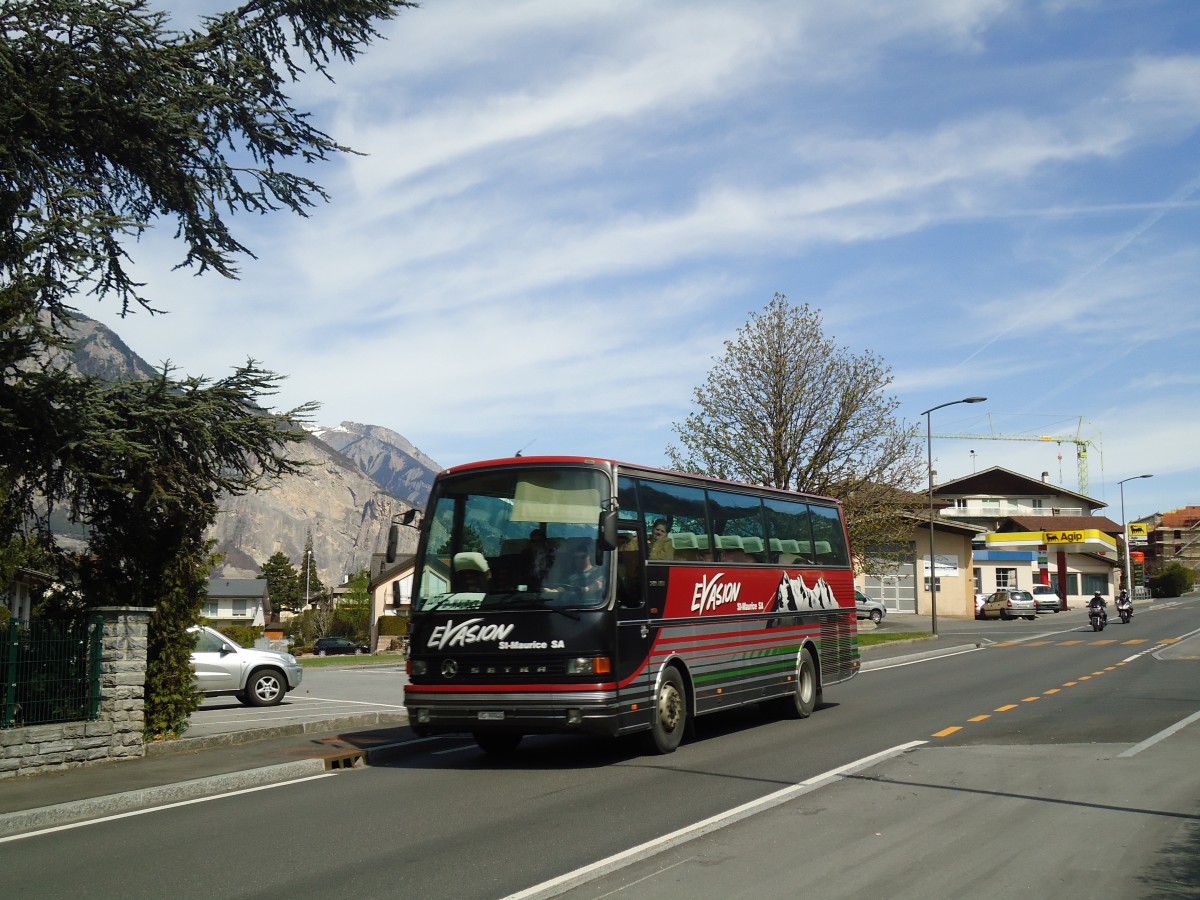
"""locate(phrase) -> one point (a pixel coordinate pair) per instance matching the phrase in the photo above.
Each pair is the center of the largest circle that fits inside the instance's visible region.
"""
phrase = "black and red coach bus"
(557, 594)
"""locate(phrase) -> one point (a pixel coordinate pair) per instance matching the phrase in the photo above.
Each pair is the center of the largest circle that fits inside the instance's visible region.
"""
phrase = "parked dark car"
(329, 646)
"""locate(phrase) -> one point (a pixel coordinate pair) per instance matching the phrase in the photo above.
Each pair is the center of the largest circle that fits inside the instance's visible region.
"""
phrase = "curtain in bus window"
(829, 538)
(679, 510)
(558, 495)
(738, 527)
(789, 531)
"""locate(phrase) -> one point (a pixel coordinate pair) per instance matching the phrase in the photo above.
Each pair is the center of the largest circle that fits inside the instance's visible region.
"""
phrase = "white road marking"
(713, 823)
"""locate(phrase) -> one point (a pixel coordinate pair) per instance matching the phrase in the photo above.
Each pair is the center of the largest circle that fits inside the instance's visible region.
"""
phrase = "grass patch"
(875, 638)
(321, 662)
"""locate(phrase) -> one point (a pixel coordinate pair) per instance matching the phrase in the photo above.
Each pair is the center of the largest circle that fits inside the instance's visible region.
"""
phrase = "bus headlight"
(589, 665)
(416, 667)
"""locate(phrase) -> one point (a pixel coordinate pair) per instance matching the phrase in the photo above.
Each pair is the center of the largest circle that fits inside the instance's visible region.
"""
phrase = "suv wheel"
(266, 687)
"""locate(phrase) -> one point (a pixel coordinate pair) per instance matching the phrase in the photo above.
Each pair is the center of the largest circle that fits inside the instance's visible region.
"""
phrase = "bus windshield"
(514, 539)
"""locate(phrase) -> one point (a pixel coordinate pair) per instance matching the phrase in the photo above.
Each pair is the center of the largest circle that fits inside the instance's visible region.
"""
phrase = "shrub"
(242, 635)
(393, 625)
(1173, 581)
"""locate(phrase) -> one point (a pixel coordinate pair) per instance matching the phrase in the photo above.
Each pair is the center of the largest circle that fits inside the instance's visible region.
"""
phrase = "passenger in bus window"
(660, 541)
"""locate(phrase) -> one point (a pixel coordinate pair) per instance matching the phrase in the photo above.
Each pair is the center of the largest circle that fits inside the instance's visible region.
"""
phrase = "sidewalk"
(197, 767)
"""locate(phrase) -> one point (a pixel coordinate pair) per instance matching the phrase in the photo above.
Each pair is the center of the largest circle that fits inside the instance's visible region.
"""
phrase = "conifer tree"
(115, 122)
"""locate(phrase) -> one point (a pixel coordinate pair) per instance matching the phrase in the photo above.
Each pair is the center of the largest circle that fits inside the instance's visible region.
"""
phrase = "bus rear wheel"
(670, 713)
(497, 743)
(801, 702)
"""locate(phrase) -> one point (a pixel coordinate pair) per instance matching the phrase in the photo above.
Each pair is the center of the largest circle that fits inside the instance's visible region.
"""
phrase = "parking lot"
(325, 693)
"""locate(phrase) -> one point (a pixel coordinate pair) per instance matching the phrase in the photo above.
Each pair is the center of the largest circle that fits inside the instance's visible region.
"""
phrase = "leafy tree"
(784, 406)
(1173, 581)
(283, 583)
(113, 121)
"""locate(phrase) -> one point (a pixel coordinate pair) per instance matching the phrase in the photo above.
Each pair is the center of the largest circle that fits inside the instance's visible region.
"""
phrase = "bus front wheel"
(670, 712)
(801, 702)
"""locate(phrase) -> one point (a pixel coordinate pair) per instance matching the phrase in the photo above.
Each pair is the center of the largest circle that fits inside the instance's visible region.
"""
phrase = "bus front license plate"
(488, 715)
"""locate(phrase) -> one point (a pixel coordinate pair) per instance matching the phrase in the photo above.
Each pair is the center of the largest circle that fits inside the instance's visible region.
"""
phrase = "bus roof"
(504, 462)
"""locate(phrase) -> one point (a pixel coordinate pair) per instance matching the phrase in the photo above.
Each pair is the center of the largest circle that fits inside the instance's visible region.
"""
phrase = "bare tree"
(785, 406)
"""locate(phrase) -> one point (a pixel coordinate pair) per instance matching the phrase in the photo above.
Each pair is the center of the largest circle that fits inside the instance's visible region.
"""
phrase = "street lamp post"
(929, 470)
(307, 569)
(1125, 530)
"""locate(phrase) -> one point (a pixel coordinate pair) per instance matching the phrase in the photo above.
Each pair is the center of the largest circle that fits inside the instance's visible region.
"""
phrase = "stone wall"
(117, 732)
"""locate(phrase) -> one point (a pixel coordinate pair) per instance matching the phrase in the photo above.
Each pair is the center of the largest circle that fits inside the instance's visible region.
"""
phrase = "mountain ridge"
(356, 478)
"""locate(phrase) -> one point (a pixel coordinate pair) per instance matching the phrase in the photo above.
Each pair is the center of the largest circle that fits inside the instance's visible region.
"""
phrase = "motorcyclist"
(1123, 602)
(1098, 600)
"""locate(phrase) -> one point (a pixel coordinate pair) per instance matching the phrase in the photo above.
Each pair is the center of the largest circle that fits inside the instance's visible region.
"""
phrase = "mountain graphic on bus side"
(793, 595)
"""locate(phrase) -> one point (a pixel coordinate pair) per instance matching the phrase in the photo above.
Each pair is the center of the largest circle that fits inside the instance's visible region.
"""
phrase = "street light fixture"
(1125, 530)
(929, 470)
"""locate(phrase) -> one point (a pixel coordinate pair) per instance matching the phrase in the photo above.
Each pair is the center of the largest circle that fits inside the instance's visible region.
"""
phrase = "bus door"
(634, 635)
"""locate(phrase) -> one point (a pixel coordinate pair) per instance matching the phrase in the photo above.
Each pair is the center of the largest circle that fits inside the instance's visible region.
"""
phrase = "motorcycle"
(1098, 617)
(1125, 609)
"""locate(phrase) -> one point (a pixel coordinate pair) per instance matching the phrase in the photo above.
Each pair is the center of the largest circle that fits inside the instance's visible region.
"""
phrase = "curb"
(314, 726)
(60, 814)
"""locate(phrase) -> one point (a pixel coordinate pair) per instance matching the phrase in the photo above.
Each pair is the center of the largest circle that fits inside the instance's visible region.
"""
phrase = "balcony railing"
(979, 511)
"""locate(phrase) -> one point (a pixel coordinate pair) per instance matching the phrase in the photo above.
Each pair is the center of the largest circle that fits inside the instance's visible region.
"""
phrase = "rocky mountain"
(358, 477)
(395, 464)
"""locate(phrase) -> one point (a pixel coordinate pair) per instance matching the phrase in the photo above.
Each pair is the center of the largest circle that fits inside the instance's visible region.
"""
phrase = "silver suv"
(256, 677)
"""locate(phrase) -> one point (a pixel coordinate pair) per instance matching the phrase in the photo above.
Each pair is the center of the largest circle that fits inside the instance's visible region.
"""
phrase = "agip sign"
(1076, 540)
(1064, 537)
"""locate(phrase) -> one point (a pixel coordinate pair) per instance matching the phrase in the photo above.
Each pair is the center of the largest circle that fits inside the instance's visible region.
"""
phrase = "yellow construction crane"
(1081, 447)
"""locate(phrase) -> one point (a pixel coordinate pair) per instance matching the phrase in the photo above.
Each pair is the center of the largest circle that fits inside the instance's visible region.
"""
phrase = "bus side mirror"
(608, 529)
(393, 542)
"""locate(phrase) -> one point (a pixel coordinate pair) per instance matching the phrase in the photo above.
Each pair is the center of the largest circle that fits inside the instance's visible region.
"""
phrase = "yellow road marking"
(1038, 643)
(1134, 641)
(1069, 683)
(1071, 643)
(1170, 640)
(1005, 708)
(1084, 677)
(1052, 691)
(946, 732)
(1105, 641)
(979, 718)
(1030, 699)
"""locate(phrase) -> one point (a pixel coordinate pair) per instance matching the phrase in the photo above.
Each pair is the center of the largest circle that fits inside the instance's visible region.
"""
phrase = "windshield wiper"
(536, 601)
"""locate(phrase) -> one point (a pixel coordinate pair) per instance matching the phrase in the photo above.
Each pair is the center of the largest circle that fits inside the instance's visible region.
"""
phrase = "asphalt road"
(1041, 765)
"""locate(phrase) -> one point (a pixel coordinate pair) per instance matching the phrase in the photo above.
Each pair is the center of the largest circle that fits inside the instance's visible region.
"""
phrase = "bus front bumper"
(591, 712)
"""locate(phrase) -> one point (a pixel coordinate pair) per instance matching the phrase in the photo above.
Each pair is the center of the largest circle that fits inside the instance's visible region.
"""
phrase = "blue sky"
(565, 208)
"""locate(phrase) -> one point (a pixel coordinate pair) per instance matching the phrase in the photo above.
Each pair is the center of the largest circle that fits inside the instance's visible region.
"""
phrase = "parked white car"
(255, 677)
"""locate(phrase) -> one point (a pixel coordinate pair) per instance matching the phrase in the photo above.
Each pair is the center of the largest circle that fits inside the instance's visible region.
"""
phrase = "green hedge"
(393, 625)
(1174, 581)
(242, 635)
